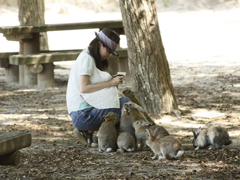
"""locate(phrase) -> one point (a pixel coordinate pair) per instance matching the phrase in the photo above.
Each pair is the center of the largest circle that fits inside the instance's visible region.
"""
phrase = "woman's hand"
(116, 80)
(85, 87)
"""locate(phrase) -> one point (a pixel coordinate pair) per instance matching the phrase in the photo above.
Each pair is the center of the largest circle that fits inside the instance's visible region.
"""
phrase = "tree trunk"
(32, 12)
(146, 56)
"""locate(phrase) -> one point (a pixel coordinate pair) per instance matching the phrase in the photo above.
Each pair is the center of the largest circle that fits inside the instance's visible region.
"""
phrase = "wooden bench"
(29, 40)
(35, 63)
(10, 143)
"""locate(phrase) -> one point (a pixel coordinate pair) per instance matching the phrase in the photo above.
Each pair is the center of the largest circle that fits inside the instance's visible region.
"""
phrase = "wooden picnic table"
(29, 40)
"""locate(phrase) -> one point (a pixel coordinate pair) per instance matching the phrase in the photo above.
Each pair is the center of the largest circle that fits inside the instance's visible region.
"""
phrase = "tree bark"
(32, 12)
(146, 56)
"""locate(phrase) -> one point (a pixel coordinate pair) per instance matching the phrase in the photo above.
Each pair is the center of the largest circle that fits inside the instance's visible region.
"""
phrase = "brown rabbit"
(107, 133)
(126, 142)
(141, 133)
(130, 94)
(215, 136)
(167, 147)
(137, 112)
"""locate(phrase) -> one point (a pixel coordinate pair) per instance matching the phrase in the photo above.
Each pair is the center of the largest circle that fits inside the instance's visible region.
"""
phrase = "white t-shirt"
(102, 99)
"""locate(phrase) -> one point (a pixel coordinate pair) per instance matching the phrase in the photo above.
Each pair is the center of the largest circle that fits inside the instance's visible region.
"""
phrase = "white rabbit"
(215, 136)
(107, 133)
(126, 142)
(167, 147)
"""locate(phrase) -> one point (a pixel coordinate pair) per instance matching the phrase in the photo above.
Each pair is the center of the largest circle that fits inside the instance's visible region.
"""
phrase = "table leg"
(11, 73)
(29, 46)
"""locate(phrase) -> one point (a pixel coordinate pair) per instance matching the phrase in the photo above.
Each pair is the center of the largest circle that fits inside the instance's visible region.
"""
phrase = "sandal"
(88, 136)
(94, 141)
(80, 136)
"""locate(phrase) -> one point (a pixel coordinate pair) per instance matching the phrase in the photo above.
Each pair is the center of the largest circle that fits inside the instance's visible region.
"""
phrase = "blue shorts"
(90, 118)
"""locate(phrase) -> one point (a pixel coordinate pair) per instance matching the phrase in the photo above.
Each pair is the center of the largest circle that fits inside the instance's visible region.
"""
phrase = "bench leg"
(29, 77)
(21, 75)
(11, 73)
(46, 77)
(26, 77)
(11, 158)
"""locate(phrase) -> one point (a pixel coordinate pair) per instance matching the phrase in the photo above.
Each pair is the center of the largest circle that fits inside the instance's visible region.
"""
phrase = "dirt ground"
(206, 82)
(204, 86)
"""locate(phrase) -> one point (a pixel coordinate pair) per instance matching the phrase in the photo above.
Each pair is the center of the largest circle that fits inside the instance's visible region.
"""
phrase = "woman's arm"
(85, 87)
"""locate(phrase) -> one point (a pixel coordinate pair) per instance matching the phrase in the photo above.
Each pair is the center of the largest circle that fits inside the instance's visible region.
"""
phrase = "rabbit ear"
(147, 124)
(149, 133)
(157, 131)
(199, 130)
(194, 134)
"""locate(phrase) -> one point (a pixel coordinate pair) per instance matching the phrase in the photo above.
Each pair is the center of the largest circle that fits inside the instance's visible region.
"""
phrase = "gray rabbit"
(107, 133)
(126, 142)
(167, 147)
(126, 124)
(215, 136)
(142, 135)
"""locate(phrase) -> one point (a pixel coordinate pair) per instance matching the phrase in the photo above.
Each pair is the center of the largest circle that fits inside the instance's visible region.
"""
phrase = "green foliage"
(166, 2)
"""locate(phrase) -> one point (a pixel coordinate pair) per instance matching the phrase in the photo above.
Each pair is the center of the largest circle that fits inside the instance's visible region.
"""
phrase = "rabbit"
(126, 124)
(130, 94)
(141, 134)
(107, 133)
(137, 112)
(126, 142)
(215, 137)
(167, 147)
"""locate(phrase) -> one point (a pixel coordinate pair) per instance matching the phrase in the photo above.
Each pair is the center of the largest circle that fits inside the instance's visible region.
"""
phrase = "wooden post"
(10, 158)
(113, 66)
(124, 68)
(21, 67)
(31, 46)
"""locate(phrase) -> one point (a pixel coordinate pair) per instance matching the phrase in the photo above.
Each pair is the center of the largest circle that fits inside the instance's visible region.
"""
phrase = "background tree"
(146, 56)
(33, 12)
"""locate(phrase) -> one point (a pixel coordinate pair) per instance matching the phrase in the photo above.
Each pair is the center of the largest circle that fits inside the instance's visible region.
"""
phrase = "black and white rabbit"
(215, 137)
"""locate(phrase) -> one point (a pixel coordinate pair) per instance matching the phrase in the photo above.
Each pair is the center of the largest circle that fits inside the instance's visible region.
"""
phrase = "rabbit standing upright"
(137, 112)
(107, 133)
(216, 136)
(131, 95)
(126, 124)
(167, 147)
(129, 113)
